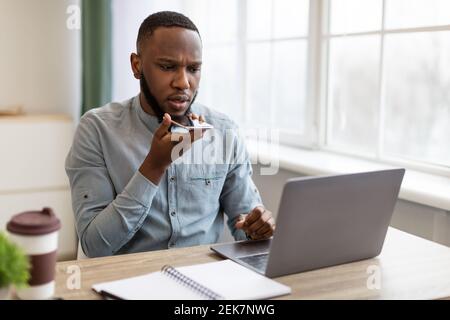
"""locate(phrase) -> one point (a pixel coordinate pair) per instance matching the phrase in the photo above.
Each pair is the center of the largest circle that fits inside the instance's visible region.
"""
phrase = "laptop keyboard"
(257, 261)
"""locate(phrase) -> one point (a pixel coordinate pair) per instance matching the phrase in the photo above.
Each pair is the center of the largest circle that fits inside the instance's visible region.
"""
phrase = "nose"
(181, 80)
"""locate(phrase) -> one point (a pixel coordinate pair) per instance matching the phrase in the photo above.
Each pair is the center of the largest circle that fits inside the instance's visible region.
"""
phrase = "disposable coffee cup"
(36, 232)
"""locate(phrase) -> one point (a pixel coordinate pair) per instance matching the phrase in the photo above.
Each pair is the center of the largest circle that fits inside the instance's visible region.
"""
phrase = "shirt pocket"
(205, 182)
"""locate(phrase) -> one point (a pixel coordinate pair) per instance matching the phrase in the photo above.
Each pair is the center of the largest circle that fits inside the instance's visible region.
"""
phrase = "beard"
(156, 107)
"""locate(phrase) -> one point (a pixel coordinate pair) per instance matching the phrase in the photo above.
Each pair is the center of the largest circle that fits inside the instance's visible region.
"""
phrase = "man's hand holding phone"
(197, 122)
(161, 156)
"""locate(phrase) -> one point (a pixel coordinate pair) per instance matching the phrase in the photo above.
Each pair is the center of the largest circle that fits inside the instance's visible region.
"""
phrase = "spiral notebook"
(211, 281)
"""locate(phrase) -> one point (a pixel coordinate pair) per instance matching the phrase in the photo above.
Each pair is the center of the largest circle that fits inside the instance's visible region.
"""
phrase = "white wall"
(40, 64)
(40, 69)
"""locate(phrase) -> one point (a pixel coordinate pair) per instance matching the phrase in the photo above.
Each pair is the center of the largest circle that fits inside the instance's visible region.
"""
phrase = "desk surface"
(409, 267)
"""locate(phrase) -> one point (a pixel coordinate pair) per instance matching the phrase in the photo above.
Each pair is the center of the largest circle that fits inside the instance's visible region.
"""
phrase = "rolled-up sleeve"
(105, 221)
(239, 194)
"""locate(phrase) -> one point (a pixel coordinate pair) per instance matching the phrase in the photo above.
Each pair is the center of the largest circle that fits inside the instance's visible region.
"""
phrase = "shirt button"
(172, 179)
(173, 213)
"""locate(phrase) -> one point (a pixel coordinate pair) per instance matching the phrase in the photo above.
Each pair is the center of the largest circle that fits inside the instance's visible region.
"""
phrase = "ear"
(136, 65)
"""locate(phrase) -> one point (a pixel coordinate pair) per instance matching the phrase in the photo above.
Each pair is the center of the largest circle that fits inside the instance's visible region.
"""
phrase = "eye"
(194, 69)
(167, 67)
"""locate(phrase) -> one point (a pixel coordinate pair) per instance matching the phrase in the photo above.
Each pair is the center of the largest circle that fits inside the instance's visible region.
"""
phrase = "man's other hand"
(258, 224)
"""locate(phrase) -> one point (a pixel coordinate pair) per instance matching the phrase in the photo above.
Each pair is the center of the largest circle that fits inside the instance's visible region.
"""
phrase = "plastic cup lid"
(34, 222)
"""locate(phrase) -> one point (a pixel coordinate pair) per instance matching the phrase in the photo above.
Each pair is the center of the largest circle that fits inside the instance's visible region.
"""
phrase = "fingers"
(258, 224)
(184, 140)
(163, 129)
(268, 226)
(176, 138)
(194, 116)
(240, 223)
(196, 134)
(266, 235)
(254, 215)
(264, 232)
(262, 222)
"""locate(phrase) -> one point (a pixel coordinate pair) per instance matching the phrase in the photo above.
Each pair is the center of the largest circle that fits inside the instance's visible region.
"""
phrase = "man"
(129, 192)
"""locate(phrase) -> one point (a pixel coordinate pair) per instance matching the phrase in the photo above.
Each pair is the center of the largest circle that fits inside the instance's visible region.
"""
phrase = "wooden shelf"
(36, 118)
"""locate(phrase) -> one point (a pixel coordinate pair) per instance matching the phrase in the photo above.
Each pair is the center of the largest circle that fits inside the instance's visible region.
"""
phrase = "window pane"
(219, 87)
(259, 19)
(353, 91)
(417, 13)
(289, 85)
(126, 21)
(217, 20)
(417, 123)
(197, 11)
(349, 16)
(290, 18)
(258, 83)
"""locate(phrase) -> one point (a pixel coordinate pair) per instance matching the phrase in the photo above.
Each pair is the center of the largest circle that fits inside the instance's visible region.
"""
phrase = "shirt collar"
(151, 122)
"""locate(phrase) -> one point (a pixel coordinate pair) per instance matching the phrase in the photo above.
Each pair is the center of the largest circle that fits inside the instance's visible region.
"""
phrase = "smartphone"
(194, 124)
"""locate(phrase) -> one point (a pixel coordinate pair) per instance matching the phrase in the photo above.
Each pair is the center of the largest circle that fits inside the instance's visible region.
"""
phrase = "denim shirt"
(118, 210)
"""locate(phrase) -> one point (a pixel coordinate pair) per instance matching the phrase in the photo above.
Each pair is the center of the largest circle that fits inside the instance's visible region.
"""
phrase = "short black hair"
(163, 19)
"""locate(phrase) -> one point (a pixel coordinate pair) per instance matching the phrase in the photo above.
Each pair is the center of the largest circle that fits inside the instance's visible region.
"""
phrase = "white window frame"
(320, 35)
(317, 113)
(287, 137)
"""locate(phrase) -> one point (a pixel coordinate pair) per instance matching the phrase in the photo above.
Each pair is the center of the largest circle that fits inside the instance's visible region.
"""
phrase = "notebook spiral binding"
(188, 282)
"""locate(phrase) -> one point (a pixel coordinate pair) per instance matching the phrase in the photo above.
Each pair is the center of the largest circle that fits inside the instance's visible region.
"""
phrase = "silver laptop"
(323, 221)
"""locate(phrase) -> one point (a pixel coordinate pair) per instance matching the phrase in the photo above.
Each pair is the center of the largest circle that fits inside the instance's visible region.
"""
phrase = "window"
(363, 77)
(388, 87)
(255, 56)
(276, 59)
(221, 84)
(127, 18)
